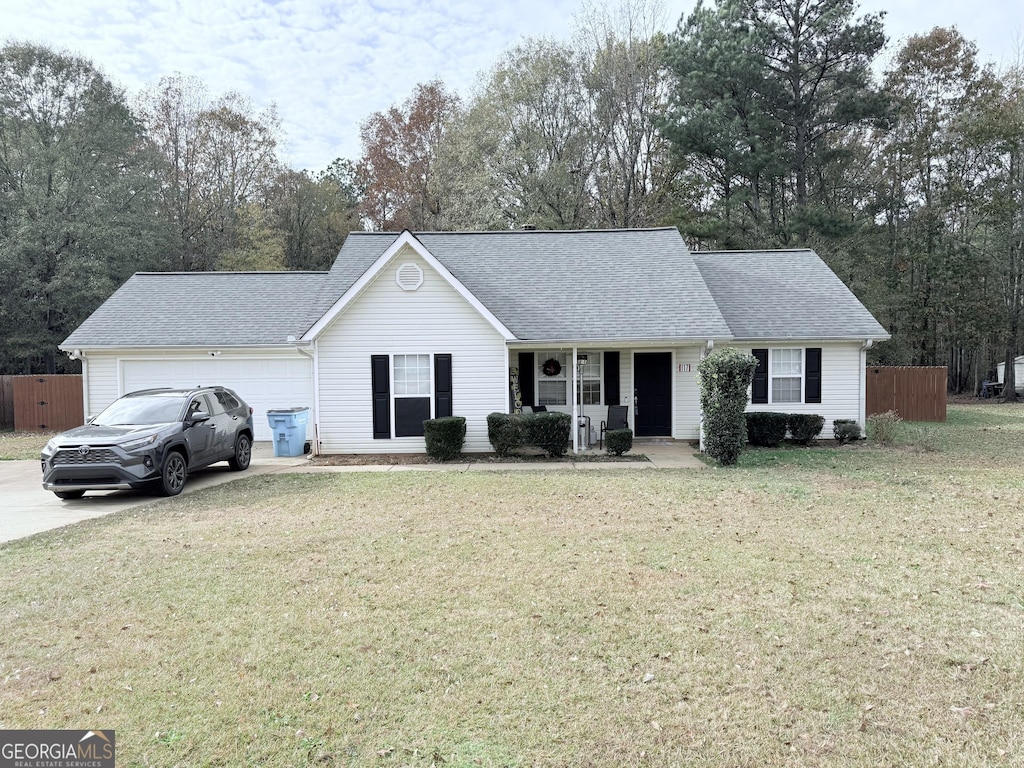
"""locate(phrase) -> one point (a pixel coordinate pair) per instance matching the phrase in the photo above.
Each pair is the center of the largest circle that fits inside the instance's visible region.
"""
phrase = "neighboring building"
(408, 327)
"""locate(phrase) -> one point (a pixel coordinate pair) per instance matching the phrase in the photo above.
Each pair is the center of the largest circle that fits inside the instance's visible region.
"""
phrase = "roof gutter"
(667, 341)
(181, 347)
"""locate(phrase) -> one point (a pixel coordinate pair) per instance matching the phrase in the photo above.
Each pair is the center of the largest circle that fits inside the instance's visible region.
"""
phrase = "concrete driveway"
(27, 509)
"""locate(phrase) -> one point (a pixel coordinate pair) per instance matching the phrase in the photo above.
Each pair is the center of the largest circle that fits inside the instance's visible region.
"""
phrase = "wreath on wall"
(551, 367)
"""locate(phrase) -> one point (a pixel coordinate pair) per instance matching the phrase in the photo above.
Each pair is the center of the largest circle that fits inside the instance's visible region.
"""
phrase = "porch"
(656, 383)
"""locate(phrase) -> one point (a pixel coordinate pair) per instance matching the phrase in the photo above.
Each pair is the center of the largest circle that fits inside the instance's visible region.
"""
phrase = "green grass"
(848, 607)
(22, 445)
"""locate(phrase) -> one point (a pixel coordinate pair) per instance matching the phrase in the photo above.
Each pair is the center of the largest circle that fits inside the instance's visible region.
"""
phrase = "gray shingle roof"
(558, 285)
(203, 308)
(543, 285)
(784, 294)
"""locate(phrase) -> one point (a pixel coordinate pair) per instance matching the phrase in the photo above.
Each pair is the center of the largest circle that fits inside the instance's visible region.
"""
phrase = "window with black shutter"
(407, 384)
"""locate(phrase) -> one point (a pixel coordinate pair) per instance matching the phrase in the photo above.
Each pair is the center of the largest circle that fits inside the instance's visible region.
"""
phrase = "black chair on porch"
(618, 418)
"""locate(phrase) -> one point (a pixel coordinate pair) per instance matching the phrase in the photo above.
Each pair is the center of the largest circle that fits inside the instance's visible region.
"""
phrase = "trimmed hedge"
(845, 430)
(618, 441)
(445, 437)
(804, 427)
(766, 428)
(724, 377)
(550, 431)
(505, 432)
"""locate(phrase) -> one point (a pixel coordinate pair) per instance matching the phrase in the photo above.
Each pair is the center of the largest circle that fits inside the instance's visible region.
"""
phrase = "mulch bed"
(364, 459)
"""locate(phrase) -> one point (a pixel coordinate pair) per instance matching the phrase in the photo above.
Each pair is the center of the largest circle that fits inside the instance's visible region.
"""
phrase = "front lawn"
(22, 445)
(849, 607)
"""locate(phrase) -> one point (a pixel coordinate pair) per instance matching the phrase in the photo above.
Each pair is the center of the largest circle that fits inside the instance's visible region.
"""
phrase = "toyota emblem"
(83, 450)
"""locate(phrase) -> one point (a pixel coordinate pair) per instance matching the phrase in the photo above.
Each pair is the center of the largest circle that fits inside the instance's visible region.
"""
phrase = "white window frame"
(772, 375)
(564, 376)
(593, 371)
(429, 383)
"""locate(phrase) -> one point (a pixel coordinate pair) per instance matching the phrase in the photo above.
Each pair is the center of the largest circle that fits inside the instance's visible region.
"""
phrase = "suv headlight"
(51, 447)
(139, 444)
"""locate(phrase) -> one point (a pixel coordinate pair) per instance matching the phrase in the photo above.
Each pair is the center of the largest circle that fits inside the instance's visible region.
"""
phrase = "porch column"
(575, 405)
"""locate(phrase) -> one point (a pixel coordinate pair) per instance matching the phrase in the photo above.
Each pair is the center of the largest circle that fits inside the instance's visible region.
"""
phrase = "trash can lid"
(286, 410)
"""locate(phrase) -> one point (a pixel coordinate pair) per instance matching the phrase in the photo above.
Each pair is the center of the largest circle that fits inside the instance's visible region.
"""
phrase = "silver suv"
(154, 437)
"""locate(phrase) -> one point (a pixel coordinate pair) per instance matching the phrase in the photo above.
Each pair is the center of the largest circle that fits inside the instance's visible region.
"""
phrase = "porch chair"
(618, 418)
(539, 408)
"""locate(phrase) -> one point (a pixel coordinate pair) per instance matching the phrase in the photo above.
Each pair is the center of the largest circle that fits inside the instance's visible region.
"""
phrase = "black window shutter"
(380, 374)
(812, 383)
(442, 386)
(611, 378)
(526, 376)
(759, 387)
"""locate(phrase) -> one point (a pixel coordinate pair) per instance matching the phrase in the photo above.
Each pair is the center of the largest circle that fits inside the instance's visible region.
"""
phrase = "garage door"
(264, 383)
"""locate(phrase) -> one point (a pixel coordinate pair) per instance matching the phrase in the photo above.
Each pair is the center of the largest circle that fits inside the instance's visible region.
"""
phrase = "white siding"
(101, 374)
(842, 384)
(686, 403)
(385, 319)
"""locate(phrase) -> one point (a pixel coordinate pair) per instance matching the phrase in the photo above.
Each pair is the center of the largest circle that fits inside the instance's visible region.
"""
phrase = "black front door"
(652, 377)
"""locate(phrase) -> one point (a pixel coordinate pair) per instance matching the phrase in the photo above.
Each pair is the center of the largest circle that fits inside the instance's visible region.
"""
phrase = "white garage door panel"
(265, 384)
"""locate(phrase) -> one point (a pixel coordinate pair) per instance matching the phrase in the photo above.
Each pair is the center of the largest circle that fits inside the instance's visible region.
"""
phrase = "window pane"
(787, 362)
(786, 390)
(412, 375)
(591, 392)
(560, 364)
(551, 392)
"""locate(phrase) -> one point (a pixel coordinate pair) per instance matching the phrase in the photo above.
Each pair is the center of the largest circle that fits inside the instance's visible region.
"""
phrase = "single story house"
(406, 327)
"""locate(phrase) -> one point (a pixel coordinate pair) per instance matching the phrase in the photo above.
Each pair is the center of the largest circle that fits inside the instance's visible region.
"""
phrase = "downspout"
(862, 407)
(77, 354)
(703, 353)
(313, 355)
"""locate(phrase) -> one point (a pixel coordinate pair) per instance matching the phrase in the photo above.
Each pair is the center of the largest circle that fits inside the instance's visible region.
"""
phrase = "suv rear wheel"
(173, 474)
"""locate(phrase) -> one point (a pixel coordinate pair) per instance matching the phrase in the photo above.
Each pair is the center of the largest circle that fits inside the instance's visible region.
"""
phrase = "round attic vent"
(409, 277)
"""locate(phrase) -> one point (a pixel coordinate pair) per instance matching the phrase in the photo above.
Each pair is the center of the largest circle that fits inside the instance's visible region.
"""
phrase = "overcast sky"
(329, 65)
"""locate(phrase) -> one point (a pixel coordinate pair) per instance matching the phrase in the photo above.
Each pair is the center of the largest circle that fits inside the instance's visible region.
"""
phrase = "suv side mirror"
(198, 417)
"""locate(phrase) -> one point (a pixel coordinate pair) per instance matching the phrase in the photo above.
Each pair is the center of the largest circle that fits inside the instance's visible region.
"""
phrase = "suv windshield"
(146, 409)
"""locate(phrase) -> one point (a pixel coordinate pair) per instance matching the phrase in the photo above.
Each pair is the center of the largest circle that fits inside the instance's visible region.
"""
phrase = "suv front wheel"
(173, 474)
(243, 453)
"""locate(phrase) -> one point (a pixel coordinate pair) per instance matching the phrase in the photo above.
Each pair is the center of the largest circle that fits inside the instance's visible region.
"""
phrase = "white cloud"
(328, 65)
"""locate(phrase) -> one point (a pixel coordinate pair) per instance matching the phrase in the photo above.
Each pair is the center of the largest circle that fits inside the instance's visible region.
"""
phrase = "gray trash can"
(288, 428)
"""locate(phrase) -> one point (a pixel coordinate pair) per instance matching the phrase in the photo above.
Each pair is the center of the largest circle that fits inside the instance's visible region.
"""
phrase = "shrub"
(618, 441)
(550, 431)
(505, 432)
(724, 376)
(766, 428)
(804, 427)
(845, 430)
(445, 437)
(882, 427)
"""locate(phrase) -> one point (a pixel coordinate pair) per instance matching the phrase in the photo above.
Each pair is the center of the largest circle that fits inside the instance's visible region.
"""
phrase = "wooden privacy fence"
(916, 393)
(43, 403)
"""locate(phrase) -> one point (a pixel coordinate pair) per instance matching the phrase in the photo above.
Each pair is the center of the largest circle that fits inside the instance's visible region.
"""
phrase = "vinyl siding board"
(102, 382)
(686, 406)
(387, 320)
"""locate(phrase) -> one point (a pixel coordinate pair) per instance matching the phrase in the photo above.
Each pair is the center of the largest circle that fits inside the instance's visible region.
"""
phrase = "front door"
(652, 379)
